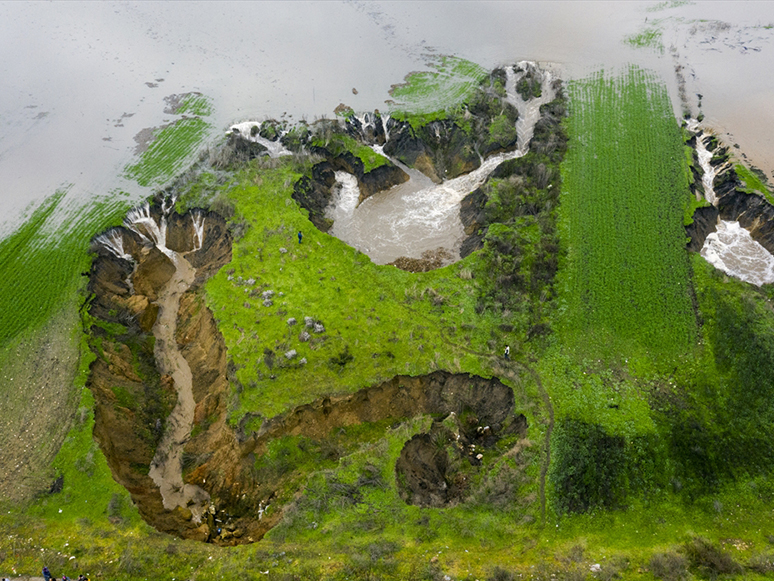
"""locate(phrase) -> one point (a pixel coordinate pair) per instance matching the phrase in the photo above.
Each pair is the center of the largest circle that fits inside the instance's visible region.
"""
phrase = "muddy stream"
(166, 467)
(730, 248)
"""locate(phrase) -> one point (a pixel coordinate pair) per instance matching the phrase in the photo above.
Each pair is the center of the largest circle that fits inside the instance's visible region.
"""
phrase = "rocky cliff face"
(314, 191)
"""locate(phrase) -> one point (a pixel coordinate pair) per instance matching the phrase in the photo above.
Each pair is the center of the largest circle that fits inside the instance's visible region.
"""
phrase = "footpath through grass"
(626, 284)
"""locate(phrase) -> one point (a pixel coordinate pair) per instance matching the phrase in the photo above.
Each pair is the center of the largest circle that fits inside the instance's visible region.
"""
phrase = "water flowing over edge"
(273, 148)
(419, 215)
(730, 248)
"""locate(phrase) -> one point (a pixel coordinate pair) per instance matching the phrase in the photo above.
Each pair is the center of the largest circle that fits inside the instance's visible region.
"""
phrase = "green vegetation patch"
(649, 37)
(753, 183)
(626, 284)
(374, 321)
(339, 143)
(172, 147)
(195, 104)
(451, 82)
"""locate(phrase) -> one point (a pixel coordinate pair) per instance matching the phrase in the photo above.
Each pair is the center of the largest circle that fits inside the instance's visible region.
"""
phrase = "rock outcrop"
(314, 191)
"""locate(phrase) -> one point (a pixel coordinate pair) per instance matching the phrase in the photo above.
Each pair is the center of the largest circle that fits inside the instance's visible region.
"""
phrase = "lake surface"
(80, 80)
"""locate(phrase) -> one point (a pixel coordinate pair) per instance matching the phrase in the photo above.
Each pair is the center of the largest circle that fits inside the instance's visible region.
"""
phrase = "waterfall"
(385, 119)
(197, 217)
(529, 111)
(139, 220)
(113, 240)
(273, 148)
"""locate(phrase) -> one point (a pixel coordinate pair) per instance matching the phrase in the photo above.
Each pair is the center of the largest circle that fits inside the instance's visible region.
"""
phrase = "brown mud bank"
(136, 395)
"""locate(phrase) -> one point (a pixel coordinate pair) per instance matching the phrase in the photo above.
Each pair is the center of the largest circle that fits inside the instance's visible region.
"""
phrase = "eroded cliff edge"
(221, 494)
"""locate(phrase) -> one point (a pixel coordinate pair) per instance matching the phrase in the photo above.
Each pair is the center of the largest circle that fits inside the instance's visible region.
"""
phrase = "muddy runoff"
(421, 217)
(160, 381)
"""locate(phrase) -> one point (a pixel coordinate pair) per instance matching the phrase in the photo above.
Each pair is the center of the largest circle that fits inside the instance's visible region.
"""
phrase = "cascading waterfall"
(529, 111)
(113, 240)
(197, 217)
(385, 120)
(418, 215)
(273, 148)
(730, 248)
(139, 220)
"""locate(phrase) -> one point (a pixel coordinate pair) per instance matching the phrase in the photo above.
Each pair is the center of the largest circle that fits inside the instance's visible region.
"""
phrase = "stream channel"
(166, 467)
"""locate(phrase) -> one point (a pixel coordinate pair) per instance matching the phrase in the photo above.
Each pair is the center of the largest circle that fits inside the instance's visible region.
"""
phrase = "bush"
(669, 566)
(589, 467)
(708, 559)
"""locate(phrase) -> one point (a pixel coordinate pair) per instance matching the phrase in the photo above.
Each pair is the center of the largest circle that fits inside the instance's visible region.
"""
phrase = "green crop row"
(41, 261)
(626, 285)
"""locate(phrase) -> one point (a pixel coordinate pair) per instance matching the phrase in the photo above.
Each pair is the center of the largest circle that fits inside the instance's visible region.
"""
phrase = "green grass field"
(626, 286)
(385, 319)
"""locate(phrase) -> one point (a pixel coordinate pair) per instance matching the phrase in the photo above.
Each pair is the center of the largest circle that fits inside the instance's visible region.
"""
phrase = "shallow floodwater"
(81, 79)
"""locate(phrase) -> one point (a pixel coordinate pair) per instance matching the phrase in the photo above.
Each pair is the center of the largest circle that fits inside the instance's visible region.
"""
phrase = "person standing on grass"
(46, 573)
(300, 236)
(507, 352)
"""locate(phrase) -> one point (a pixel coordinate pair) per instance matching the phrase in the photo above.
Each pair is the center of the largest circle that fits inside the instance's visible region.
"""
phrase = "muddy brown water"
(82, 79)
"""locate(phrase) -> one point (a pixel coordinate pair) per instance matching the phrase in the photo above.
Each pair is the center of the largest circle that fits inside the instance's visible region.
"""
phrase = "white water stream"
(274, 148)
(730, 248)
(166, 467)
(419, 215)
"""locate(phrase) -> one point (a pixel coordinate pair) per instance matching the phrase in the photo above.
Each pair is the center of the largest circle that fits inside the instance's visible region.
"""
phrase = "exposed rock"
(292, 321)
(704, 223)
(304, 337)
(422, 466)
(152, 273)
(291, 354)
(308, 322)
(431, 259)
(319, 328)
(268, 303)
(474, 221)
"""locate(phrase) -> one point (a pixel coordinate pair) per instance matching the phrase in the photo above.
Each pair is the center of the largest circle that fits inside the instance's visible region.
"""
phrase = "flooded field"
(94, 76)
